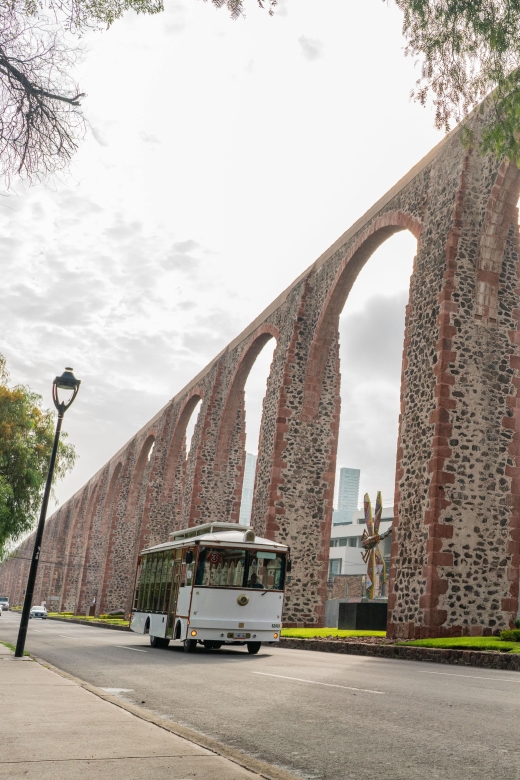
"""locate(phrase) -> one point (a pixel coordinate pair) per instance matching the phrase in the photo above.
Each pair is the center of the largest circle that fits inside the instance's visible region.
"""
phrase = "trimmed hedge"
(512, 635)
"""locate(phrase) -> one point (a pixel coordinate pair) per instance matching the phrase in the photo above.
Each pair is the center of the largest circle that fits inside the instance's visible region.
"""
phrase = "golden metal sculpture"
(371, 554)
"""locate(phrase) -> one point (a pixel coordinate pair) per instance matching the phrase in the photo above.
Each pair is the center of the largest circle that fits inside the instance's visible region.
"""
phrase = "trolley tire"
(253, 647)
(159, 641)
(190, 645)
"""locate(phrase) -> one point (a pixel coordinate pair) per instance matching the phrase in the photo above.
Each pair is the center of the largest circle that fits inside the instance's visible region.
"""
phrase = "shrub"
(118, 612)
(512, 635)
(517, 622)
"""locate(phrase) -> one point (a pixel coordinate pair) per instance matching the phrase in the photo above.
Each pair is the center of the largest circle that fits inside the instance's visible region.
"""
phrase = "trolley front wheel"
(190, 645)
(253, 647)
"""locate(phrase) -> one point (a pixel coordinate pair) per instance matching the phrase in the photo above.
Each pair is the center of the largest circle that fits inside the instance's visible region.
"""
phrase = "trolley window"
(234, 568)
(154, 582)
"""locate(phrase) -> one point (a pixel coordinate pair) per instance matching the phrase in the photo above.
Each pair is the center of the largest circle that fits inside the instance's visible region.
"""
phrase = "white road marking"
(472, 676)
(313, 682)
(132, 648)
(77, 638)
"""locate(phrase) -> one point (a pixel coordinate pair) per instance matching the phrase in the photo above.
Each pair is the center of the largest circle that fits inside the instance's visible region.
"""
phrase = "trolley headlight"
(194, 633)
(275, 636)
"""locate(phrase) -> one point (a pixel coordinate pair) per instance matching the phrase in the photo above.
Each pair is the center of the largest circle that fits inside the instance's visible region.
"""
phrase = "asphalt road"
(318, 715)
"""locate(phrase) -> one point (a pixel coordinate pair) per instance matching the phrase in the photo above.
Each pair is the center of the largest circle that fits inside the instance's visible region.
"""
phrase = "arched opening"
(192, 423)
(78, 550)
(230, 460)
(117, 580)
(99, 526)
(254, 394)
(176, 463)
(326, 332)
(371, 327)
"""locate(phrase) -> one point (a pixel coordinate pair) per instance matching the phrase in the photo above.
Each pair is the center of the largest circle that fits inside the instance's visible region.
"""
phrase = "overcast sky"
(223, 158)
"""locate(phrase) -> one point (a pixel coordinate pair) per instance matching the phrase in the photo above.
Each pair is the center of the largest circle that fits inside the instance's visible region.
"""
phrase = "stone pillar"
(456, 530)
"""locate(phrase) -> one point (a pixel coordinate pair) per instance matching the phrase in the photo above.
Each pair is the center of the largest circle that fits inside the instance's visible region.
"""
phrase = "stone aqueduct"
(456, 537)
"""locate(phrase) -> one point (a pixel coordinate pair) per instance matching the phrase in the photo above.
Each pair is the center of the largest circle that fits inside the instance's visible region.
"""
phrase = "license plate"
(239, 634)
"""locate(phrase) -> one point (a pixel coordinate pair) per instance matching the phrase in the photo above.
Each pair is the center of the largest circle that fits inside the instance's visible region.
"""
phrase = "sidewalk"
(55, 729)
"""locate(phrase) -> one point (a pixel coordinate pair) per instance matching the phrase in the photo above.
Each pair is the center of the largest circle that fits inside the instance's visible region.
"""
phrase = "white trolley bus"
(212, 584)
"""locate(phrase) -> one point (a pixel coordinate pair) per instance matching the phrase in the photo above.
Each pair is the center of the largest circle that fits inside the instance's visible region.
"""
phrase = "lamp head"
(67, 381)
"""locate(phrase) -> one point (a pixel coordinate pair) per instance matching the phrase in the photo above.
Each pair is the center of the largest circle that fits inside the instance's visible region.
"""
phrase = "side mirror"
(189, 557)
(289, 565)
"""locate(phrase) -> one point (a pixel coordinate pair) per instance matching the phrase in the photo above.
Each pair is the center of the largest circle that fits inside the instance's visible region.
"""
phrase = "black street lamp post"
(67, 381)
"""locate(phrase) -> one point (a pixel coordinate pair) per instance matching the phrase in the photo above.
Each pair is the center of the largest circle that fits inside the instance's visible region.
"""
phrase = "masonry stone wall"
(456, 534)
(345, 586)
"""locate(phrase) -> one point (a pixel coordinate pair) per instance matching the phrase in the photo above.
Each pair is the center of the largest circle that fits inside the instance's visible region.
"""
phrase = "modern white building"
(248, 487)
(348, 496)
(345, 543)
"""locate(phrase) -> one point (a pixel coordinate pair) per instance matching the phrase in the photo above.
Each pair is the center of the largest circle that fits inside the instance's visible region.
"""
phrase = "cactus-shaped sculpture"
(371, 554)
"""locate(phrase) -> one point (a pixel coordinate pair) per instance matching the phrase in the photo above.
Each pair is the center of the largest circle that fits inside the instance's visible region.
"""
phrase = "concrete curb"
(97, 623)
(255, 765)
(488, 659)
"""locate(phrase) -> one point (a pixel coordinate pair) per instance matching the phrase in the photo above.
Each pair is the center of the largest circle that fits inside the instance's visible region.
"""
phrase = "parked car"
(38, 612)
(4, 602)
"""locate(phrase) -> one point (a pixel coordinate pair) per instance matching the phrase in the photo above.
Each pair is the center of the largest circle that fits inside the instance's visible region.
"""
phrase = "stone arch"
(230, 448)
(178, 443)
(164, 492)
(98, 541)
(125, 533)
(75, 555)
(89, 559)
(165, 496)
(501, 212)
(327, 325)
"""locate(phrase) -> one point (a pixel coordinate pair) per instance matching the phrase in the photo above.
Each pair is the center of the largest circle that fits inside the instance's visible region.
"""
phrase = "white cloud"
(312, 49)
(208, 190)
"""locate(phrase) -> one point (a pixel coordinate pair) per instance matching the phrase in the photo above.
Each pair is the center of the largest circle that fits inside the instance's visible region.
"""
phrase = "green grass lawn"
(12, 647)
(113, 621)
(310, 633)
(467, 643)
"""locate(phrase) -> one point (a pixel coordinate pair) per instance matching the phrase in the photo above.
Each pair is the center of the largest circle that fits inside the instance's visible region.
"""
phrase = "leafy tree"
(26, 439)
(236, 7)
(469, 49)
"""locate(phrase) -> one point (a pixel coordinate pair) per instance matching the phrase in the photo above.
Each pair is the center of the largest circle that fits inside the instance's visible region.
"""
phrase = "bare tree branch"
(40, 118)
(41, 123)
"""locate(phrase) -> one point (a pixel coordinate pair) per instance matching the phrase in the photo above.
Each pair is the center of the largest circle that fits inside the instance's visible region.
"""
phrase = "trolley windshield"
(219, 567)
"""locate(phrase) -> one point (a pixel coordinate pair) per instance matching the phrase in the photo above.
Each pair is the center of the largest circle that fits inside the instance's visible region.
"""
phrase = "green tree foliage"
(236, 7)
(469, 49)
(26, 439)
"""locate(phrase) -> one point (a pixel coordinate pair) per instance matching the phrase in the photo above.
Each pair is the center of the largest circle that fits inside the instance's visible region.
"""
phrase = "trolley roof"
(207, 528)
(217, 534)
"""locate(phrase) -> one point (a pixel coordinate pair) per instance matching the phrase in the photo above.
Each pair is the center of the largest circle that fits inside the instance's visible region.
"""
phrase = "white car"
(4, 603)
(38, 612)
